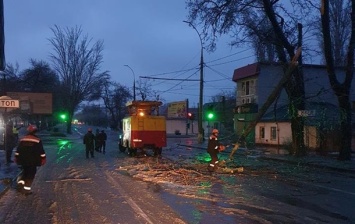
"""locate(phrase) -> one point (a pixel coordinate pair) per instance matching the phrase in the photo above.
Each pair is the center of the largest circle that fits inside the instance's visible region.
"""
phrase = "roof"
(246, 71)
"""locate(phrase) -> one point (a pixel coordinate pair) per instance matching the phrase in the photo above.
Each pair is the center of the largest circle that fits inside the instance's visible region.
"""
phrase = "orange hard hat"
(215, 131)
(31, 128)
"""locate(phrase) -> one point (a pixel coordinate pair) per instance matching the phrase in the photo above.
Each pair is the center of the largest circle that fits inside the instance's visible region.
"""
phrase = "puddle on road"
(216, 203)
(205, 207)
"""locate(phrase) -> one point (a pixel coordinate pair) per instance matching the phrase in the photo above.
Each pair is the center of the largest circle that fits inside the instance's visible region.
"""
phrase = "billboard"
(177, 109)
(34, 103)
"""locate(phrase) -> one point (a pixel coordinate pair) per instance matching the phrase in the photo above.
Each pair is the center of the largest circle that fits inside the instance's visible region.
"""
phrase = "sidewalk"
(313, 160)
(8, 173)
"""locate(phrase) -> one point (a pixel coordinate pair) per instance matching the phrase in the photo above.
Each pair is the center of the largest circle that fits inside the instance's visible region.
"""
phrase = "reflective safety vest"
(14, 130)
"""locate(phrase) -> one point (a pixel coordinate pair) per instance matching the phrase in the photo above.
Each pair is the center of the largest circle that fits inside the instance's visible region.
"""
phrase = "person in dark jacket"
(102, 138)
(10, 143)
(89, 141)
(213, 148)
(98, 143)
(29, 155)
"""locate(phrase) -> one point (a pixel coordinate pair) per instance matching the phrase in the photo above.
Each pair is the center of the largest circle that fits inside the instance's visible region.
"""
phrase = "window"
(273, 133)
(261, 132)
(248, 88)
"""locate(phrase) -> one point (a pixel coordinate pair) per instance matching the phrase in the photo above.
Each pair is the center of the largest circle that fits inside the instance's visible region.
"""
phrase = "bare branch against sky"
(147, 35)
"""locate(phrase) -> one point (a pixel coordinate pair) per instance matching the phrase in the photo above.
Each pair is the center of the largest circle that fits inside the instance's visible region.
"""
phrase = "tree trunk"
(341, 90)
(297, 102)
(345, 129)
(294, 85)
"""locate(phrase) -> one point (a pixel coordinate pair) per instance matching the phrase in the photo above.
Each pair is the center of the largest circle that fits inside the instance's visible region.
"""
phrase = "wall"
(317, 86)
(282, 137)
(176, 124)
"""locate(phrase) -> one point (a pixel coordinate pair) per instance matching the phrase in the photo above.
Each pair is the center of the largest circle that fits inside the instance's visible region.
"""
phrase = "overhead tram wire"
(233, 60)
(219, 73)
(168, 79)
(218, 59)
(153, 77)
(179, 82)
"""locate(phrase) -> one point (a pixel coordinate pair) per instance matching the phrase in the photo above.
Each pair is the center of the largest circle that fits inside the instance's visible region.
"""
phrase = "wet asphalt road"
(266, 192)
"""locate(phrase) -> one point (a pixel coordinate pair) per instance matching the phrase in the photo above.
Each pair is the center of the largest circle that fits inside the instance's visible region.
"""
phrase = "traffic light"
(191, 116)
(63, 117)
(210, 113)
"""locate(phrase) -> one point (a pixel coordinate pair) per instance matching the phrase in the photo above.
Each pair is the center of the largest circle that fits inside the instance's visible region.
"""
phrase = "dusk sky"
(149, 36)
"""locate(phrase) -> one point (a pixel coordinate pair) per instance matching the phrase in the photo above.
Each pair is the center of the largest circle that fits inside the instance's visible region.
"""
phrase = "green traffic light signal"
(63, 117)
(210, 115)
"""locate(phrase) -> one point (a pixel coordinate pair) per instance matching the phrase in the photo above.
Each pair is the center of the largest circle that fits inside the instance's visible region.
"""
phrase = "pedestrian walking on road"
(102, 138)
(10, 143)
(29, 155)
(98, 142)
(213, 148)
(89, 141)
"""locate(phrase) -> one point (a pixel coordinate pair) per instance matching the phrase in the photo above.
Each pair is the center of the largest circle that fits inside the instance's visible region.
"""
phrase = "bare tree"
(243, 19)
(78, 64)
(339, 20)
(115, 97)
(10, 79)
(93, 114)
(341, 89)
(39, 78)
(145, 90)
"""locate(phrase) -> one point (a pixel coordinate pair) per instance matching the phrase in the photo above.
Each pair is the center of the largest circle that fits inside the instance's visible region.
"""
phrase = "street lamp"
(200, 130)
(134, 83)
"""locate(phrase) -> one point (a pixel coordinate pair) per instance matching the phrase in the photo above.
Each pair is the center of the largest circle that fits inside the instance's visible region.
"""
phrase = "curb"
(339, 169)
(9, 183)
(322, 166)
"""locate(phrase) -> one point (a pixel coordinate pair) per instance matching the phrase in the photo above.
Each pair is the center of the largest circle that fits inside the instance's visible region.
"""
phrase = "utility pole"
(134, 83)
(200, 104)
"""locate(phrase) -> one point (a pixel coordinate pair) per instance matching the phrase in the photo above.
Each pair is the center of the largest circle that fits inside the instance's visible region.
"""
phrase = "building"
(256, 81)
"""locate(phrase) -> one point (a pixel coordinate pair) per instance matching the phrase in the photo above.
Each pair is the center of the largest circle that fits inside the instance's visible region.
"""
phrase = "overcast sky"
(147, 35)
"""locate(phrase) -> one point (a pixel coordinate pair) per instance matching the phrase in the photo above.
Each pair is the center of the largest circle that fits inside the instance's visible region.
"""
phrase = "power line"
(218, 59)
(147, 77)
(234, 60)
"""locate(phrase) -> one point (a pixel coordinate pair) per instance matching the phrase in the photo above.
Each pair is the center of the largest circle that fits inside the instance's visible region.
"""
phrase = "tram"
(143, 128)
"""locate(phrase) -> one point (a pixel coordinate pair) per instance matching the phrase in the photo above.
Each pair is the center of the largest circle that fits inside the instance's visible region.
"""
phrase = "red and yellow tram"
(143, 128)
